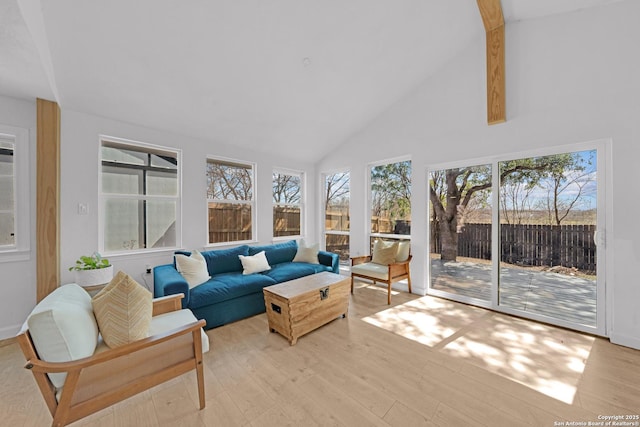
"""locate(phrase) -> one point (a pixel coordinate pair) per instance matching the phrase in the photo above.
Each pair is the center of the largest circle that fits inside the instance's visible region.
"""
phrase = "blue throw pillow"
(277, 253)
(225, 260)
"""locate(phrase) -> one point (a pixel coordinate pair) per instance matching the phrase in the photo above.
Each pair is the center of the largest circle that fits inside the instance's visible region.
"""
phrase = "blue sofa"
(229, 295)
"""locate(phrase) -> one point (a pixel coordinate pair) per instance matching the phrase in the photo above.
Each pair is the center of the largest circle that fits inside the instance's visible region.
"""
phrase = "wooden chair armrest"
(167, 304)
(399, 267)
(38, 365)
(360, 259)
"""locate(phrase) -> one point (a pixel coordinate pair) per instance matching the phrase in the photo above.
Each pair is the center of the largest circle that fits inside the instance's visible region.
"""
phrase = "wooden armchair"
(363, 267)
(112, 375)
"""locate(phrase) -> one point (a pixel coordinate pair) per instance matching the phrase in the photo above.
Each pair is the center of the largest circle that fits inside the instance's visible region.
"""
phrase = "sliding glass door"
(519, 234)
(460, 232)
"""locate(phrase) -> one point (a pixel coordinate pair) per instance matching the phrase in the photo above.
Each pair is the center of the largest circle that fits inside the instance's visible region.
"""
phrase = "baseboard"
(625, 340)
(9, 331)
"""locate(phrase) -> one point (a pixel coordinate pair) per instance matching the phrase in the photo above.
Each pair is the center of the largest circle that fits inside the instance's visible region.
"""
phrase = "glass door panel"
(548, 218)
(460, 232)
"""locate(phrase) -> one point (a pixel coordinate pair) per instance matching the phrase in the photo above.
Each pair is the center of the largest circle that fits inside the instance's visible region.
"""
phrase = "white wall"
(79, 181)
(570, 78)
(79, 184)
(18, 284)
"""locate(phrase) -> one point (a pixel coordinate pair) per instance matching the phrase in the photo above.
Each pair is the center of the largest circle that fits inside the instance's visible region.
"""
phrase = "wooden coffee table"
(299, 306)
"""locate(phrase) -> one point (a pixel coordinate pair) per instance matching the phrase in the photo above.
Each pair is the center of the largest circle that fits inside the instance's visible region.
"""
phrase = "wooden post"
(493, 20)
(47, 198)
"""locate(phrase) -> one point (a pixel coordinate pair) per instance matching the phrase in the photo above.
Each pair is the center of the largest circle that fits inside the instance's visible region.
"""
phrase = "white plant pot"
(99, 276)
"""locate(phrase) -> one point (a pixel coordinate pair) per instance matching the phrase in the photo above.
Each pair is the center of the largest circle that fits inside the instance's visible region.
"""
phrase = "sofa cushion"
(254, 263)
(277, 253)
(63, 328)
(193, 268)
(292, 270)
(225, 260)
(226, 286)
(123, 310)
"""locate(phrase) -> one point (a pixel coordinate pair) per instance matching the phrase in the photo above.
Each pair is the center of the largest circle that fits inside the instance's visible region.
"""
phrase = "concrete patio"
(560, 296)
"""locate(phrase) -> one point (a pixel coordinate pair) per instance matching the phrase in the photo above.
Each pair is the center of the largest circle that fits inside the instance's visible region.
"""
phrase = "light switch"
(83, 208)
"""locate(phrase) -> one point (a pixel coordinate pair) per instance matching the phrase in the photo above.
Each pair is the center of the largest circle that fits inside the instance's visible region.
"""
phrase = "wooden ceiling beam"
(493, 20)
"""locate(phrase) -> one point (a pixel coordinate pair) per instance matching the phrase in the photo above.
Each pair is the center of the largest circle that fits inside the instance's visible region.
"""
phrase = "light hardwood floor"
(421, 361)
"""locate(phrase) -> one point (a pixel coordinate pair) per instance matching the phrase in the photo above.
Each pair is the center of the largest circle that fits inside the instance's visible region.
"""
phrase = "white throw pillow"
(193, 268)
(307, 253)
(254, 264)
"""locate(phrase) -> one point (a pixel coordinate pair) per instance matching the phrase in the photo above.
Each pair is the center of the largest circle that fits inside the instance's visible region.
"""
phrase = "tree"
(450, 193)
(515, 202)
(565, 189)
(391, 190)
(336, 189)
(228, 182)
(286, 188)
(459, 186)
(336, 201)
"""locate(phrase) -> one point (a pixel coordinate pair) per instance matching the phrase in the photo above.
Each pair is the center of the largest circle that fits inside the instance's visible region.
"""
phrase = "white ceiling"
(295, 76)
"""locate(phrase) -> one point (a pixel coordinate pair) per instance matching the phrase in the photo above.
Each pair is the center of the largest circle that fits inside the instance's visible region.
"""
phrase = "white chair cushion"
(371, 269)
(175, 319)
(63, 327)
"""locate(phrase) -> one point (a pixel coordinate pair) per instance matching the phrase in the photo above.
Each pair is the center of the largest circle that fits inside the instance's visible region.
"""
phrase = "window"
(287, 203)
(230, 201)
(7, 192)
(14, 192)
(140, 198)
(336, 214)
(390, 189)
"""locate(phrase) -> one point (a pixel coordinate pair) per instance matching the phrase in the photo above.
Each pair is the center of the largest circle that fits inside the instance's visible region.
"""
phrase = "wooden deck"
(559, 296)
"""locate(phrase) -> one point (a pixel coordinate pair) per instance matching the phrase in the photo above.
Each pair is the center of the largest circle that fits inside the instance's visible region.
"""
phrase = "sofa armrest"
(167, 281)
(330, 259)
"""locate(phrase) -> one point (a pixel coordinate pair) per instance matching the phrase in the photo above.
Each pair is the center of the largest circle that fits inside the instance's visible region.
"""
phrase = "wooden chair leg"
(389, 293)
(409, 280)
(351, 284)
(197, 344)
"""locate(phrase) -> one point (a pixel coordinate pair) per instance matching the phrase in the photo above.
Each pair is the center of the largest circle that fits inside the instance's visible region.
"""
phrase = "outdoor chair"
(73, 389)
(388, 263)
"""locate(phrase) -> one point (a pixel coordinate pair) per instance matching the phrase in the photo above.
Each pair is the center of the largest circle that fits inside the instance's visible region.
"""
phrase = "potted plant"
(92, 270)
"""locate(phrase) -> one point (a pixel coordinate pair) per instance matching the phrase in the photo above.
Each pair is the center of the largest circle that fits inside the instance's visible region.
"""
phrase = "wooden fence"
(232, 222)
(569, 246)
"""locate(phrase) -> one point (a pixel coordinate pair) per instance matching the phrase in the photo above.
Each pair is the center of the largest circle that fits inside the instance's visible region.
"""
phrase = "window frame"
(252, 203)
(103, 197)
(20, 249)
(301, 205)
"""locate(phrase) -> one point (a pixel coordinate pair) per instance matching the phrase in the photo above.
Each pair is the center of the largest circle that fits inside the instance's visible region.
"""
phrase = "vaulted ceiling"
(296, 76)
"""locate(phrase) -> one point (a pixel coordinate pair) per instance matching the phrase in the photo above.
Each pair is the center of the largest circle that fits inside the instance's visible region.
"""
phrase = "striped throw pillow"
(123, 310)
